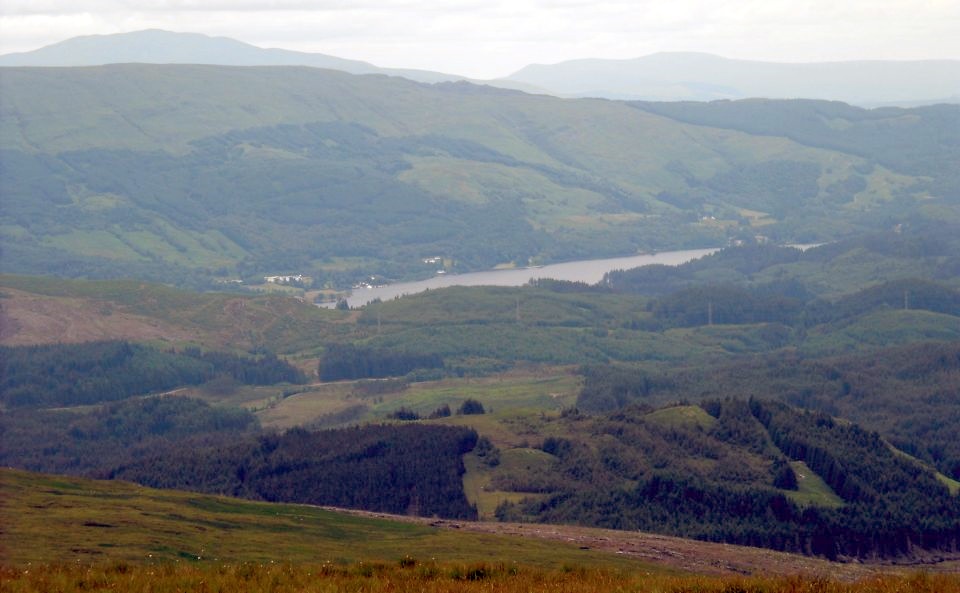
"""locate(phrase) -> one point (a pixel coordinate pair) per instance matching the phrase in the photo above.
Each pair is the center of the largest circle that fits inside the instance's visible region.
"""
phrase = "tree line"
(81, 374)
(183, 443)
(349, 361)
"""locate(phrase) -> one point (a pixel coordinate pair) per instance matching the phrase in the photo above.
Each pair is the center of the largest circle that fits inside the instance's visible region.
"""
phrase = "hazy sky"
(489, 38)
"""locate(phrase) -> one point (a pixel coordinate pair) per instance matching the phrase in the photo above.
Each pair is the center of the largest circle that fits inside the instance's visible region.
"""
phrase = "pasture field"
(533, 388)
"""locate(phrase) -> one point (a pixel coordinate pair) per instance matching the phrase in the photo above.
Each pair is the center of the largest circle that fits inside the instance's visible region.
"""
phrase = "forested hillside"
(891, 137)
(907, 393)
(729, 474)
(75, 375)
(656, 399)
(186, 174)
(176, 442)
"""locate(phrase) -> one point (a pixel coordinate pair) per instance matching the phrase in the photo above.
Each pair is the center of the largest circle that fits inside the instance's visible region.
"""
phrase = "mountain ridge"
(702, 77)
(665, 75)
(158, 46)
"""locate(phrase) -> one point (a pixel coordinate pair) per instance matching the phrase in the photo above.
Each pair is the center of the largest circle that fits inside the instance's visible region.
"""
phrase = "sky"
(492, 38)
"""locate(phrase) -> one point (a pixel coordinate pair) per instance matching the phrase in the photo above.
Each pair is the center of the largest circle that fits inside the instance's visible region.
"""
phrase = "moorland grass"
(408, 575)
(59, 519)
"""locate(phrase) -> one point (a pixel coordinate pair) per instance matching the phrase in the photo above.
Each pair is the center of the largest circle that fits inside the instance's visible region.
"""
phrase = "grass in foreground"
(58, 519)
(408, 574)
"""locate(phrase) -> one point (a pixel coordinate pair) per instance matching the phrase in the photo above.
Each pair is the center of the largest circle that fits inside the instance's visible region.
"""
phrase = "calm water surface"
(589, 271)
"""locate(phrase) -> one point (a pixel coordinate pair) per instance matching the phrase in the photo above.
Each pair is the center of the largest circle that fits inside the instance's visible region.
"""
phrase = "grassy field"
(430, 577)
(538, 389)
(329, 404)
(60, 519)
(682, 416)
(811, 489)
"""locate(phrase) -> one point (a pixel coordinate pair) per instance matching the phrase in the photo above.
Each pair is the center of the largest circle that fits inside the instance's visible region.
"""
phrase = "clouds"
(495, 37)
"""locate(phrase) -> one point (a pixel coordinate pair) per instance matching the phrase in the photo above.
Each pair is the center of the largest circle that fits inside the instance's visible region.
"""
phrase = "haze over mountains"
(667, 76)
(154, 46)
(674, 76)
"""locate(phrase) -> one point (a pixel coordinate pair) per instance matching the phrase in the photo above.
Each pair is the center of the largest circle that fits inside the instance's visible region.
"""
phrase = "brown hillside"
(36, 310)
(29, 319)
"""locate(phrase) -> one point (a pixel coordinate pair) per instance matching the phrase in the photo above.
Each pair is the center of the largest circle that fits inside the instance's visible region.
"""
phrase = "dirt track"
(682, 554)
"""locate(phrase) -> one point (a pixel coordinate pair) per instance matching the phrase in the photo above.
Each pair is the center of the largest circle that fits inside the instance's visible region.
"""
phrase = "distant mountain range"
(705, 77)
(154, 46)
(658, 77)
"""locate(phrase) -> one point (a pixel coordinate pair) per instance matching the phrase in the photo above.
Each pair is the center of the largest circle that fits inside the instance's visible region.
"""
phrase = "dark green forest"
(93, 442)
(724, 477)
(346, 361)
(378, 468)
(94, 372)
(932, 250)
(182, 443)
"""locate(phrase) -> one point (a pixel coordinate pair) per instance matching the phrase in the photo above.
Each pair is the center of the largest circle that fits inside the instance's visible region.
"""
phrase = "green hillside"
(72, 534)
(188, 173)
(54, 518)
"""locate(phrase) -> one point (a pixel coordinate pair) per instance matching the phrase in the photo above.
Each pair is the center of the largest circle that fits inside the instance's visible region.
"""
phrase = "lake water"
(589, 271)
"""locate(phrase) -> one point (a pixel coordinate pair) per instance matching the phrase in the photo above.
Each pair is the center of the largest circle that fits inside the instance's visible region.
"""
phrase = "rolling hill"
(55, 518)
(186, 173)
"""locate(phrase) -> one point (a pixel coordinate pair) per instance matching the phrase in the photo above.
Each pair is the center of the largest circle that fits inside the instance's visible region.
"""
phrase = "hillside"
(123, 521)
(42, 526)
(675, 473)
(42, 310)
(186, 174)
(750, 473)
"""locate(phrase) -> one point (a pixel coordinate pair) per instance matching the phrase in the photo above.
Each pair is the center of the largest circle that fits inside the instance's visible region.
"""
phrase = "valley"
(579, 354)
(368, 176)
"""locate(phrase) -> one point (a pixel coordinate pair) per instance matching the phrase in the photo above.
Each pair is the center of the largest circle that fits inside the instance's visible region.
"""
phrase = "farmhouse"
(283, 279)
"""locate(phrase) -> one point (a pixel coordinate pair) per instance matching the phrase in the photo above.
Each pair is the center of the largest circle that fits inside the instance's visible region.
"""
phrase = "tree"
(470, 406)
